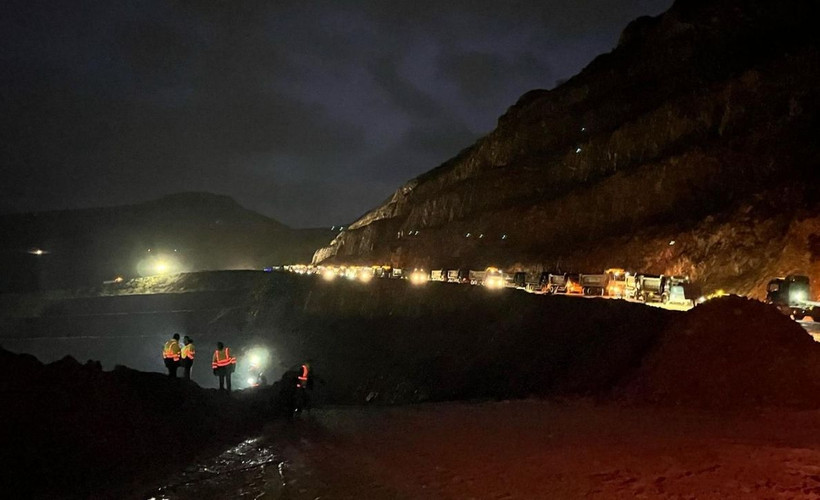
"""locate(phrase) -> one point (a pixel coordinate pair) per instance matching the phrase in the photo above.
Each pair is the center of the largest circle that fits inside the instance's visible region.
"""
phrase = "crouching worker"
(223, 365)
(294, 386)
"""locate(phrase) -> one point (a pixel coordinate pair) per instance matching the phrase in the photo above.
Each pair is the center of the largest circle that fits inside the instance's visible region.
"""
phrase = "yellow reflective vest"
(171, 350)
(223, 358)
(188, 351)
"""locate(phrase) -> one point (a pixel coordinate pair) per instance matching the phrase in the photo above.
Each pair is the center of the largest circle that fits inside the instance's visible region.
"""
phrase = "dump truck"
(791, 294)
(564, 283)
(651, 288)
(477, 277)
(621, 284)
(458, 276)
(663, 289)
(593, 284)
(677, 287)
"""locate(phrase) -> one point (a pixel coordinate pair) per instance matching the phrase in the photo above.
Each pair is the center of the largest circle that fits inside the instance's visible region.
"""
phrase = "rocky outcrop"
(697, 115)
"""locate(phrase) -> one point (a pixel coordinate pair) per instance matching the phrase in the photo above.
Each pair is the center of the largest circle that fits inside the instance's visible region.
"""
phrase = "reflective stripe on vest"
(171, 350)
(188, 351)
(304, 376)
(223, 358)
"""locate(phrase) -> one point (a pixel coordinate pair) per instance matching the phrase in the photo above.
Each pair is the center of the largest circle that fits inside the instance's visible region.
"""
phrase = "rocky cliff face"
(701, 122)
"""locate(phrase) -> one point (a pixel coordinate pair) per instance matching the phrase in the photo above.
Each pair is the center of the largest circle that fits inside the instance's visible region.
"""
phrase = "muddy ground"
(518, 450)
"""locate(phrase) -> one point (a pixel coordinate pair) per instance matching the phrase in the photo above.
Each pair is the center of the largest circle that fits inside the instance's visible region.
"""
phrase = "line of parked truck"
(617, 283)
(790, 294)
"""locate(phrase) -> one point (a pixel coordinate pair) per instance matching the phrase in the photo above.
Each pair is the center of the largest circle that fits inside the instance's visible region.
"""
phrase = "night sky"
(310, 112)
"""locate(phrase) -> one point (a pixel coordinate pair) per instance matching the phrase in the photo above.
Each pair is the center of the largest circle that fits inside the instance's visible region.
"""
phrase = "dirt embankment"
(75, 431)
(391, 342)
(731, 353)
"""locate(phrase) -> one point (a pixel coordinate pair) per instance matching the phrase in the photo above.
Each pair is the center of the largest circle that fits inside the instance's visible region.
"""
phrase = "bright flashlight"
(251, 381)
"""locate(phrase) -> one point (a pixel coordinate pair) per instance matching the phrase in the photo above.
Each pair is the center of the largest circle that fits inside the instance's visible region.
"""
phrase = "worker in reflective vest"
(304, 382)
(304, 374)
(171, 355)
(188, 353)
(223, 365)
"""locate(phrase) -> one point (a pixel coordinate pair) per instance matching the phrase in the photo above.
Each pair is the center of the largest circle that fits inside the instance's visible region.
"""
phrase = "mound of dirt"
(731, 353)
(74, 430)
(390, 342)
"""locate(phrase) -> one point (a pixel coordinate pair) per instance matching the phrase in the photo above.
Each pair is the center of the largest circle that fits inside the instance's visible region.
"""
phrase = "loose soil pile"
(731, 353)
(70, 430)
(390, 342)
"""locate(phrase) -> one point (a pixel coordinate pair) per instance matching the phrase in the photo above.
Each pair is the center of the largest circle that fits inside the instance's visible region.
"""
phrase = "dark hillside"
(196, 231)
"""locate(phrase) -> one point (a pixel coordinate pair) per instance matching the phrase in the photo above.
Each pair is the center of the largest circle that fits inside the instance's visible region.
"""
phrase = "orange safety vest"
(171, 350)
(188, 351)
(222, 358)
(304, 376)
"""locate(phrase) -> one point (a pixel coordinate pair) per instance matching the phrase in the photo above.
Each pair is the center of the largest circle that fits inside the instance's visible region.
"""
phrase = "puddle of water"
(252, 469)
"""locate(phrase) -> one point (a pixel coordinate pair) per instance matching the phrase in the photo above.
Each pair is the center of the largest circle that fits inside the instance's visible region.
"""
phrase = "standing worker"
(304, 382)
(304, 376)
(188, 352)
(223, 365)
(170, 354)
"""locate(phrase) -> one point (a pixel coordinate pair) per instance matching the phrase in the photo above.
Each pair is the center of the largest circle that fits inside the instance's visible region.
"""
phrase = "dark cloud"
(491, 78)
(310, 112)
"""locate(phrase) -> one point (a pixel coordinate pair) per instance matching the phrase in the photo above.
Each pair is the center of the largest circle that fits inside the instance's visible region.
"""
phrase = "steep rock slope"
(703, 114)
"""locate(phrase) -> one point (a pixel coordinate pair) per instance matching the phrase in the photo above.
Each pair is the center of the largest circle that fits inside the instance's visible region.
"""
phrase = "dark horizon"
(310, 115)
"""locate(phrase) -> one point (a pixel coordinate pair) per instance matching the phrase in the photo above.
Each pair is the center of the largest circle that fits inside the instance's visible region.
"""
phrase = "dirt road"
(522, 449)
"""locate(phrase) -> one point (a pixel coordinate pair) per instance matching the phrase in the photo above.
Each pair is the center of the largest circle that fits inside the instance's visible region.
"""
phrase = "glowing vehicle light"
(494, 282)
(158, 264)
(419, 277)
(714, 295)
(493, 278)
(799, 295)
(37, 251)
(329, 275)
